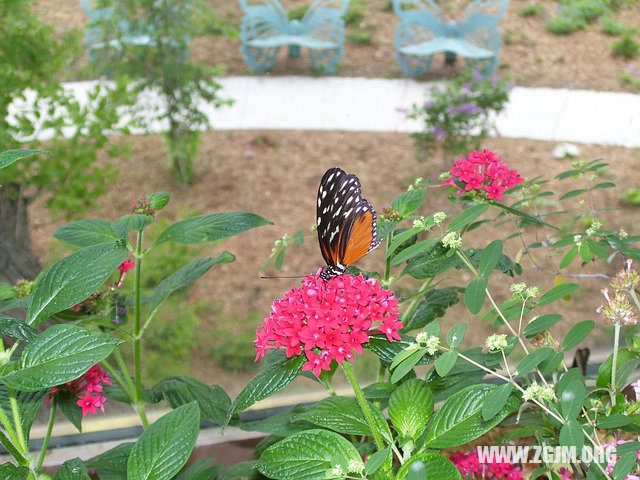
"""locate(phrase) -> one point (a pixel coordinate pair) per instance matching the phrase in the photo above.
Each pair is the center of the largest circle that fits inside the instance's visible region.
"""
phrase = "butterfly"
(346, 221)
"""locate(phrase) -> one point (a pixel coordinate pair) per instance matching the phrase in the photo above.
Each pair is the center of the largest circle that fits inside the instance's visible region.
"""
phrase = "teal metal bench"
(423, 31)
(92, 36)
(266, 28)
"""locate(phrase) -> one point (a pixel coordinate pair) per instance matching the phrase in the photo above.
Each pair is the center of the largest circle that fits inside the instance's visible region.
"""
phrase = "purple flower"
(632, 68)
(428, 105)
(438, 132)
(510, 85)
(451, 110)
(494, 80)
(466, 88)
(477, 76)
(470, 109)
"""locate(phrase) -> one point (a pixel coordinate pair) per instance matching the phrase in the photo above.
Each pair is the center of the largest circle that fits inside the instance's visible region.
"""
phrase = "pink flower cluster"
(329, 319)
(568, 475)
(471, 469)
(87, 389)
(485, 173)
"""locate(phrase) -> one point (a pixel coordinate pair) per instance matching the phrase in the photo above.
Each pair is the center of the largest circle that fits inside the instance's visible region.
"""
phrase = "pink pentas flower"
(87, 388)
(328, 320)
(470, 468)
(484, 173)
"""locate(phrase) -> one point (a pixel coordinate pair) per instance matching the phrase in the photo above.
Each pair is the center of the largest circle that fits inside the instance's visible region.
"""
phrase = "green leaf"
(399, 239)
(475, 293)
(571, 434)
(445, 362)
(210, 228)
(16, 328)
(568, 258)
(158, 200)
(433, 305)
(577, 334)
(29, 404)
(242, 471)
(272, 377)
(343, 415)
(467, 216)
(411, 408)
(459, 420)
(624, 465)
(72, 470)
(490, 257)
(571, 399)
(70, 409)
(456, 334)
(408, 202)
(213, 401)
(573, 193)
(495, 401)
(308, 456)
(604, 372)
(11, 156)
(73, 279)
(185, 276)
(406, 365)
(202, 470)
(615, 421)
(8, 471)
(541, 323)
(114, 459)
(414, 250)
(387, 351)
(533, 359)
(556, 293)
(58, 355)
(376, 460)
(585, 252)
(433, 466)
(85, 233)
(130, 223)
(164, 448)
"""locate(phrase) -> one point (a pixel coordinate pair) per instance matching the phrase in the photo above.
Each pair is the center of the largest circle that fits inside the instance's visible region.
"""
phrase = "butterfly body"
(346, 222)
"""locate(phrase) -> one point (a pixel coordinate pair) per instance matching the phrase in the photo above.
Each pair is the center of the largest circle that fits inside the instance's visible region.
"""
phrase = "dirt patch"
(275, 174)
(531, 54)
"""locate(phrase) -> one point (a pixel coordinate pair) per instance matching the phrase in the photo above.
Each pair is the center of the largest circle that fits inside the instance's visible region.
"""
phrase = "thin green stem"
(13, 450)
(387, 264)
(124, 369)
(363, 404)
(45, 443)
(116, 376)
(137, 341)
(614, 365)
(6, 423)
(17, 423)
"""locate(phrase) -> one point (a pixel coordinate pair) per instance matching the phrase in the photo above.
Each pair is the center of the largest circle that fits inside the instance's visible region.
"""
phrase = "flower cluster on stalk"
(87, 389)
(483, 173)
(328, 320)
(469, 466)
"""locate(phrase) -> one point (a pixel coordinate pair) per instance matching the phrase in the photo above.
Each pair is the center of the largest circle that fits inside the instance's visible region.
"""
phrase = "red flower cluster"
(142, 207)
(87, 389)
(329, 319)
(126, 266)
(470, 468)
(483, 172)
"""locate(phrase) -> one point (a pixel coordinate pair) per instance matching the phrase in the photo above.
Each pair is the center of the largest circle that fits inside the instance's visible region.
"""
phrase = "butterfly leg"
(325, 61)
(260, 59)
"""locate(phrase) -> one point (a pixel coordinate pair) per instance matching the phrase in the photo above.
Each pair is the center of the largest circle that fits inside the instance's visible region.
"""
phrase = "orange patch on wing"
(359, 240)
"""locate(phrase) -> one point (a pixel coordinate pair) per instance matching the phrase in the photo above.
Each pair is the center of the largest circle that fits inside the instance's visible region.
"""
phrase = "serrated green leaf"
(475, 293)
(308, 455)
(411, 408)
(158, 200)
(433, 305)
(343, 415)
(130, 223)
(490, 256)
(16, 328)
(58, 355)
(242, 471)
(72, 470)
(271, 378)
(164, 448)
(213, 401)
(495, 401)
(432, 466)
(408, 202)
(467, 216)
(29, 403)
(185, 276)
(541, 323)
(577, 334)
(210, 228)
(73, 279)
(8, 471)
(459, 420)
(85, 233)
(114, 459)
(376, 460)
(11, 156)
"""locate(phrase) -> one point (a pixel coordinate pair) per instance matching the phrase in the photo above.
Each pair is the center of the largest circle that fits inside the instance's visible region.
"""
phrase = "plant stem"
(363, 404)
(124, 369)
(137, 346)
(614, 365)
(17, 423)
(114, 374)
(4, 419)
(13, 450)
(45, 443)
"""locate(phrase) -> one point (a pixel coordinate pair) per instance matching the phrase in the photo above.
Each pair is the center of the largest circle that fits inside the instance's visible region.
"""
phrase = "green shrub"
(361, 38)
(611, 26)
(563, 25)
(355, 12)
(531, 10)
(587, 10)
(231, 339)
(627, 46)
(297, 13)
(631, 197)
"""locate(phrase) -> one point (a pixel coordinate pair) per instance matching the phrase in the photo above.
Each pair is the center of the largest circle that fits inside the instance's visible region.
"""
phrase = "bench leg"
(260, 60)
(294, 51)
(486, 66)
(325, 61)
(414, 66)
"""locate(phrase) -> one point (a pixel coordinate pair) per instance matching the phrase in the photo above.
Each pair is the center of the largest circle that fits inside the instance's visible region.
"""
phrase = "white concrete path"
(376, 105)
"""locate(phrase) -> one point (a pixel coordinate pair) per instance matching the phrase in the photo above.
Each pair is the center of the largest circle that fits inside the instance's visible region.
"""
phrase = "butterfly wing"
(483, 12)
(346, 221)
(263, 19)
(323, 22)
(421, 11)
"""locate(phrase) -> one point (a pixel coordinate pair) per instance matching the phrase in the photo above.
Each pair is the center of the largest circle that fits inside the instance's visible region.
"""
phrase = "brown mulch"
(531, 54)
(275, 174)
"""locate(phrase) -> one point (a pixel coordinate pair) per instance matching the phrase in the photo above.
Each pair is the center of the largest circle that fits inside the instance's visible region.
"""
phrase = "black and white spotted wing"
(346, 222)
